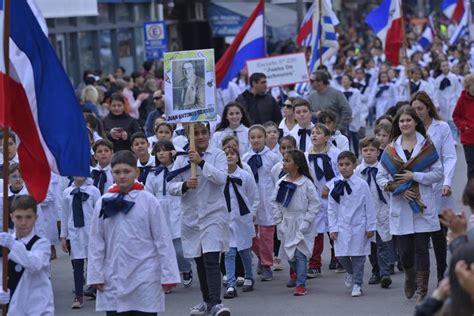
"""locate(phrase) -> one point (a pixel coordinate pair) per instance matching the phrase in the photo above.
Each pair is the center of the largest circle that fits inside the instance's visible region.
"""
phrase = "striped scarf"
(395, 165)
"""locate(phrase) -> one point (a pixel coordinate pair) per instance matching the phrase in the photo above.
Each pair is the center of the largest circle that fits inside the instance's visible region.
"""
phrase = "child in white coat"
(352, 221)
(295, 205)
(145, 161)
(78, 206)
(131, 258)
(240, 193)
(163, 151)
(102, 172)
(261, 161)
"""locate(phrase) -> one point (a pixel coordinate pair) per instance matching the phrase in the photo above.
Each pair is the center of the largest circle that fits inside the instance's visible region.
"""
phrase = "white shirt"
(446, 99)
(108, 174)
(242, 134)
(132, 255)
(295, 133)
(284, 128)
(356, 106)
(385, 100)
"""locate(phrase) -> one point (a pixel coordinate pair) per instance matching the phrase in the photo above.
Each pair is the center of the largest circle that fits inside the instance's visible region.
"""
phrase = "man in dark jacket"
(260, 105)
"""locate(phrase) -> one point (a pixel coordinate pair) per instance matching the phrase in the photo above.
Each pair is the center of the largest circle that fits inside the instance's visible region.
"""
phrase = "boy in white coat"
(102, 173)
(352, 221)
(131, 259)
(76, 213)
(29, 282)
(205, 219)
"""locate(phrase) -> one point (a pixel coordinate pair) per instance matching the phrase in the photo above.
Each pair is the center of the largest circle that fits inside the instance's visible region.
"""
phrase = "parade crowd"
(362, 155)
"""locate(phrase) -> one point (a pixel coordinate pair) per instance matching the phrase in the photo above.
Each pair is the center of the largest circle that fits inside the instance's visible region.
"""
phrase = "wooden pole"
(321, 34)
(192, 146)
(6, 213)
(405, 50)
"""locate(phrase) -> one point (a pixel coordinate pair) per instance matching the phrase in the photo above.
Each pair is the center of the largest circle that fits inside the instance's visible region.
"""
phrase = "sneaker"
(187, 278)
(300, 290)
(313, 273)
(90, 292)
(77, 303)
(248, 285)
(230, 293)
(277, 264)
(386, 281)
(267, 274)
(291, 283)
(240, 281)
(199, 309)
(392, 269)
(374, 279)
(356, 291)
(339, 268)
(259, 267)
(348, 280)
(224, 281)
(220, 310)
(332, 264)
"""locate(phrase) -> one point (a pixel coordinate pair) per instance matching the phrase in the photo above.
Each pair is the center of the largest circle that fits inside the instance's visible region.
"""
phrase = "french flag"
(426, 38)
(38, 103)
(453, 9)
(248, 44)
(386, 22)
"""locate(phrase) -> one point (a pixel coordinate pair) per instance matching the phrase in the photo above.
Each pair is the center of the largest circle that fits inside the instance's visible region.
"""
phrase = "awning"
(226, 19)
(63, 9)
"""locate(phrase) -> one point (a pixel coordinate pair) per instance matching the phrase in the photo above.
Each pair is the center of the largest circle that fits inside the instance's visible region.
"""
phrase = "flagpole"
(320, 26)
(6, 213)
(405, 50)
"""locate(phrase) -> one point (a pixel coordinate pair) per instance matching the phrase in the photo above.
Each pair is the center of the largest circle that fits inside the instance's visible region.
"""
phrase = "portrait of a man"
(188, 85)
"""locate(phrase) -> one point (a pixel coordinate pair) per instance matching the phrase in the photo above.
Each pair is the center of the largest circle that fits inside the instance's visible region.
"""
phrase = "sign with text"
(282, 69)
(156, 42)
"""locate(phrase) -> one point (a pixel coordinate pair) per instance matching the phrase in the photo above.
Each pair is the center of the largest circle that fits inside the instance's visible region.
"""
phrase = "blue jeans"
(384, 256)
(184, 265)
(354, 265)
(299, 264)
(454, 130)
(246, 256)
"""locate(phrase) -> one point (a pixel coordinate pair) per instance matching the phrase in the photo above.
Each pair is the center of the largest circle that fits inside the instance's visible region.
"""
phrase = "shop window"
(86, 53)
(105, 51)
(125, 49)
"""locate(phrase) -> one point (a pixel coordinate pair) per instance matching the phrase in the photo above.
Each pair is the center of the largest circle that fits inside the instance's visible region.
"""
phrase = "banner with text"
(282, 69)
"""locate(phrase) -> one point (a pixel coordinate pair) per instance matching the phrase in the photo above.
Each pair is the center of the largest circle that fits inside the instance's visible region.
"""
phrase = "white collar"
(420, 141)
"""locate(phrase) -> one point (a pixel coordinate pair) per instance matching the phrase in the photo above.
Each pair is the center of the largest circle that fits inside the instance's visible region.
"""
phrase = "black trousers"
(413, 250)
(131, 313)
(207, 267)
(440, 247)
(374, 262)
(469, 154)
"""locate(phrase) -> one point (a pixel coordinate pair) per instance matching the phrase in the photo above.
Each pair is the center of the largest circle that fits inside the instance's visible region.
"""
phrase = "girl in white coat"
(261, 161)
(322, 161)
(234, 122)
(383, 95)
(171, 205)
(440, 135)
(413, 211)
(272, 137)
(240, 193)
(78, 206)
(295, 205)
(352, 221)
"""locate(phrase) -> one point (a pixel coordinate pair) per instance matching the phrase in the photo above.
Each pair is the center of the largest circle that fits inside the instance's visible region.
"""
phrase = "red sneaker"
(300, 291)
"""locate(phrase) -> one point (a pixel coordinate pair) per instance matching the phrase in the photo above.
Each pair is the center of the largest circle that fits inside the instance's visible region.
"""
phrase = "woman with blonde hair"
(90, 98)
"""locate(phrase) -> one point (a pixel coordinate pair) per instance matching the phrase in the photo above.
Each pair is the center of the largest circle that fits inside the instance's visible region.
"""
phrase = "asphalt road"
(326, 295)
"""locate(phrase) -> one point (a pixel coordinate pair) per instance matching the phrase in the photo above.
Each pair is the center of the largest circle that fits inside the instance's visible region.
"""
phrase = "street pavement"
(326, 295)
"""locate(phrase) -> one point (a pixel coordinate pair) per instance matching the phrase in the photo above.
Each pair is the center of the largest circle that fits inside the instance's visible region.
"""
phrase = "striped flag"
(306, 28)
(426, 38)
(463, 25)
(324, 32)
(453, 9)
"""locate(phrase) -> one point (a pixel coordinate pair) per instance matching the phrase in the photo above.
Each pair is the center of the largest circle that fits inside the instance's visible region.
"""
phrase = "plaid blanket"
(395, 165)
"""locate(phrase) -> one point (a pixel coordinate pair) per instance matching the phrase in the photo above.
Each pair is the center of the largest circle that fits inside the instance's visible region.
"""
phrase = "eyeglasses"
(288, 105)
(157, 98)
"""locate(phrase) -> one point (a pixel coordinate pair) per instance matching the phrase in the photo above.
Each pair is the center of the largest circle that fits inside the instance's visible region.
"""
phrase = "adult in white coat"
(413, 228)
(205, 220)
(440, 135)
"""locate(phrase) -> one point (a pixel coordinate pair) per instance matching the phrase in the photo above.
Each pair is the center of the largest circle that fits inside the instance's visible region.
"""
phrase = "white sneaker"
(224, 281)
(277, 266)
(199, 309)
(356, 291)
(348, 280)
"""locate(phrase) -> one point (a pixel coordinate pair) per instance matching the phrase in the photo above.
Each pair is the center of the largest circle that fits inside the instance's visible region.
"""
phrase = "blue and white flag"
(426, 38)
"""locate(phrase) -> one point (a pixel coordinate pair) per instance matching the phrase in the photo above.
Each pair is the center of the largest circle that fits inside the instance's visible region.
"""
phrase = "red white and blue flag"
(248, 44)
(453, 9)
(386, 22)
(38, 103)
(306, 28)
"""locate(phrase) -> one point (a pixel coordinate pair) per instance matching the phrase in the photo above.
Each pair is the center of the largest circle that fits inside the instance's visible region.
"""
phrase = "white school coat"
(132, 255)
(442, 139)
(50, 211)
(386, 100)
(78, 236)
(403, 220)
(205, 220)
(352, 218)
(242, 134)
(365, 94)
(34, 292)
(276, 151)
(276, 170)
(108, 173)
(170, 204)
(342, 143)
(303, 207)
(284, 128)
(39, 228)
(446, 99)
(242, 229)
(356, 106)
(382, 210)
(294, 133)
(321, 222)
(265, 185)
